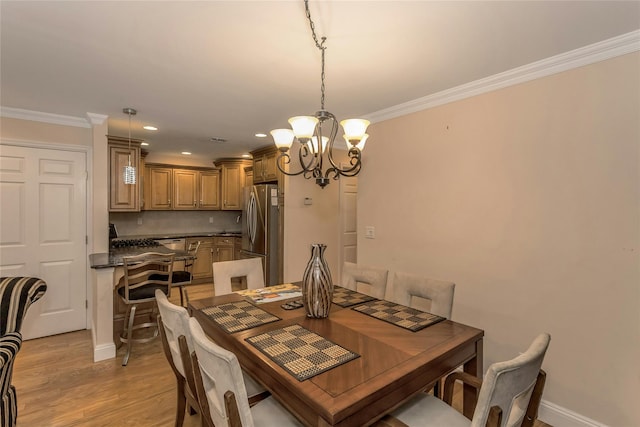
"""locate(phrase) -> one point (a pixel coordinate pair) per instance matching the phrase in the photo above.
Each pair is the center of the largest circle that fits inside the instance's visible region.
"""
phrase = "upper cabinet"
(233, 181)
(123, 197)
(264, 165)
(181, 188)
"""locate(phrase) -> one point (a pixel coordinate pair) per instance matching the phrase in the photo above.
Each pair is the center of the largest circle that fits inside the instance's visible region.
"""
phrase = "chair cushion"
(144, 292)
(16, 295)
(180, 276)
(428, 411)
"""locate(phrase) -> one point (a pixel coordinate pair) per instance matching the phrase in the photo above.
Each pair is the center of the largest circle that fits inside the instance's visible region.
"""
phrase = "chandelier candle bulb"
(303, 126)
(283, 138)
(354, 129)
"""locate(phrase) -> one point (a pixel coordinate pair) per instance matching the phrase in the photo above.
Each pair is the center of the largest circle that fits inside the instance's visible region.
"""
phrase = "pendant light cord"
(129, 138)
(320, 45)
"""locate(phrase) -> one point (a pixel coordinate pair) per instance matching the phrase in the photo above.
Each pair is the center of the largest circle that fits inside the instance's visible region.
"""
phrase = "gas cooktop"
(132, 243)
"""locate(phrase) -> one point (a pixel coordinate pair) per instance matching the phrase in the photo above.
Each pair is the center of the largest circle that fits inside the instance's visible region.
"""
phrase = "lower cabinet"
(202, 271)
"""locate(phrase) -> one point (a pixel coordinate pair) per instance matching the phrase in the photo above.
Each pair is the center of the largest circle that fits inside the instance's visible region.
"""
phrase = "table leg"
(469, 393)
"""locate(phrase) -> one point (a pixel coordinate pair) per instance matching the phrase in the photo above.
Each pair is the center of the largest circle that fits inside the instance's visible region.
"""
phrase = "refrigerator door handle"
(251, 218)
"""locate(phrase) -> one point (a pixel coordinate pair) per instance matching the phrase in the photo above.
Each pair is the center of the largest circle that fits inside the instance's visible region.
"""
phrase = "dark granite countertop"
(158, 236)
(114, 258)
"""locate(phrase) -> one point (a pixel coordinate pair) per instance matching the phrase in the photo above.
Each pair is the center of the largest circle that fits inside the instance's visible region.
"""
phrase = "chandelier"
(129, 172)
(316, 135)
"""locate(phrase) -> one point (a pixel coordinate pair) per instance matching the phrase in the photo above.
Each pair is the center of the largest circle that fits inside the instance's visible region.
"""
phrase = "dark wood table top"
(395, 363)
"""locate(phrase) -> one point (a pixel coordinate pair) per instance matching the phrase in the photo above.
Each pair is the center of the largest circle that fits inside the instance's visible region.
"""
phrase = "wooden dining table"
(393, 365)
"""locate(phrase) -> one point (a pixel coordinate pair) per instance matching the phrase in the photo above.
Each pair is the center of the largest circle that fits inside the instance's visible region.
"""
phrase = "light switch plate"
(370, 232)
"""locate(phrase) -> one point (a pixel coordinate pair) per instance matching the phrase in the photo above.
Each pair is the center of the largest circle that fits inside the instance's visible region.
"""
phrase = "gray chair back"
(364, 279)
(509, 385)
(422, 293)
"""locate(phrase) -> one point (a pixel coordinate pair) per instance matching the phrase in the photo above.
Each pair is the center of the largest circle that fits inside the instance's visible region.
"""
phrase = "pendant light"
(129, 173)
(322, 126)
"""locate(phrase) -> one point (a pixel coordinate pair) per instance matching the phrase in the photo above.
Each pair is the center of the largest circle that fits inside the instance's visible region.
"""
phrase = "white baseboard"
(103, 351)
(557, 416)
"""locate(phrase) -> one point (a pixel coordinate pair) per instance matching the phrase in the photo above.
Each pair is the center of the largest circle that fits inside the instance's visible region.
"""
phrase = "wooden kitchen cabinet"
(232, 183)
(202, 270)
(158, 187)
(209, 190)
(123, 197)
(264, 165)
(223, 249)
(185, 189)
(172, 188)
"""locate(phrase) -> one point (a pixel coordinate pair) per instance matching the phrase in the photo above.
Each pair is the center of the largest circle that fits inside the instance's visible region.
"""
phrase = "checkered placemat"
(238, 316)
(301, 352)
(399, 315)
(346, 297)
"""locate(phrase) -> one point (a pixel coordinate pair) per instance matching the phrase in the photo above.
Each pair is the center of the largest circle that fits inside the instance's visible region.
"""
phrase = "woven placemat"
(346, 297)
(399, 315)
(238, 316)
(301, 352)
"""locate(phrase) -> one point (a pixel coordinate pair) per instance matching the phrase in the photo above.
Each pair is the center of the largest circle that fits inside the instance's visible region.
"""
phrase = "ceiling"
(229, 69)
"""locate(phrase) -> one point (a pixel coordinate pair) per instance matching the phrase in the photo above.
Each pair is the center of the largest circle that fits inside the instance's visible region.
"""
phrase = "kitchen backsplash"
(151, 222)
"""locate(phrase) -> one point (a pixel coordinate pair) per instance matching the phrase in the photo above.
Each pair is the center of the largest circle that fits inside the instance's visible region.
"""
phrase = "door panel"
(43, 210)
(348, 220)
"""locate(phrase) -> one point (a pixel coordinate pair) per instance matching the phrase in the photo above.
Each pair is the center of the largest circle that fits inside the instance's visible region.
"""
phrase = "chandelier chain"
(320, 45)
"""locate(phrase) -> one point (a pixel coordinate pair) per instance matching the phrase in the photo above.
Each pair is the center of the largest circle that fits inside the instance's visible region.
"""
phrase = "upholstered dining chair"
(143, 274)
(218, 372)
(224, 271)
(503, 401)
(178, 346)
(364, 279)
(182, 278)
(16, 296)
(430, 295)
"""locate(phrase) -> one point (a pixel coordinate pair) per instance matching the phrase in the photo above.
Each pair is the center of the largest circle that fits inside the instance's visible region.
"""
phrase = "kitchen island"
(106, 271)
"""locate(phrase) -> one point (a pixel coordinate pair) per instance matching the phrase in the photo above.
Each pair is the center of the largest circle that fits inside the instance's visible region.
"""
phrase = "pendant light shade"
(129, 172)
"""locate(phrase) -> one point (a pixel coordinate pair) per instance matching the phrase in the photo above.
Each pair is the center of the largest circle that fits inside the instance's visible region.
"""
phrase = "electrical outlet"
(210, 220)
(370, 232)
(139, 221)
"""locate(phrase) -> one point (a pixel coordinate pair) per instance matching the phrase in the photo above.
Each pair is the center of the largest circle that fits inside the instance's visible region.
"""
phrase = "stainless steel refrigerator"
(260, 229)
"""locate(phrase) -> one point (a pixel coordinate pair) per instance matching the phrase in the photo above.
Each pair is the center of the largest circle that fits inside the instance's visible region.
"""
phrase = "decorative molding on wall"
(37, 116)
(607, 49)
(555, 415)
(97, 119)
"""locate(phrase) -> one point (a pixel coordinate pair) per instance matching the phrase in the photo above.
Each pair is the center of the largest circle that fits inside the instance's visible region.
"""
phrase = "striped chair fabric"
(16, 295)
(9, 346)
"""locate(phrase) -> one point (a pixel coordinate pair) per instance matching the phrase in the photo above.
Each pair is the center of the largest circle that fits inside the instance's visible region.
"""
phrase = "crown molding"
(97, 119)
(37, 116)
(606, 49)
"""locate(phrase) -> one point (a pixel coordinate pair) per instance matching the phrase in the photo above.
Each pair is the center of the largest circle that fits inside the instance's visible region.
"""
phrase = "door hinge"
(86, 239)
(86, 303)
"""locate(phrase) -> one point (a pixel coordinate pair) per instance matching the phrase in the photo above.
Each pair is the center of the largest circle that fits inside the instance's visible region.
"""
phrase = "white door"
(43, 232)
(348, 220)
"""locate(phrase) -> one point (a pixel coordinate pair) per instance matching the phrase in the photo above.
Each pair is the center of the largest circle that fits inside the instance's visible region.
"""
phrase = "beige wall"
(528, 199)
(307, 224)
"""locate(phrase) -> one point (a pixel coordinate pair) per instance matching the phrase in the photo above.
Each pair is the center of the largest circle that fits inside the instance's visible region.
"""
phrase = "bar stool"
(143, 274)
(184, 277)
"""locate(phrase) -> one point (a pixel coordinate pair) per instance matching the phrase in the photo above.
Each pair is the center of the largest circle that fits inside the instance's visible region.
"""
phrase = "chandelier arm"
(313, 159)
(285, 158)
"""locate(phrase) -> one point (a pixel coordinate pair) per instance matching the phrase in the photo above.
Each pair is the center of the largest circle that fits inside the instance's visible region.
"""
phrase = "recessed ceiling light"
(186, 153)
(261, 135)
(246, 156)
(144, 143)
(150, 128)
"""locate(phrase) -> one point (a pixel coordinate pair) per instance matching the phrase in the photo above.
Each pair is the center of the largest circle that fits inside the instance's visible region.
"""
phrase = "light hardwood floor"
(59, 385)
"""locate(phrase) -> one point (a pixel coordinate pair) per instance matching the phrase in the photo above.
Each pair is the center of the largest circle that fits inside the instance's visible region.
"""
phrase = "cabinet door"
(123, 197)
(270, 170)
(185, 189)
(160, 187)
(231, 187)
(258, 169)
(210, 190)
(202, 265)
